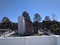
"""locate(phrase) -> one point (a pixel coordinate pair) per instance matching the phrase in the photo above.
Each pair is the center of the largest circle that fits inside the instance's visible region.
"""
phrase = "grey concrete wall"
(58, 40)
(12, 41)
(31, 40)
(47, 40)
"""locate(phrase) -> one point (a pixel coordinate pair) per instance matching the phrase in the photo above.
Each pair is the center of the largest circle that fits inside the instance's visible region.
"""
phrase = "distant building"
(24, 26)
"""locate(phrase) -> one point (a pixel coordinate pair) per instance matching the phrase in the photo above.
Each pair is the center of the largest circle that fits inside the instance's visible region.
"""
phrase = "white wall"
(31, 40)
(21, 25)
(47, 40)
(12, 41)
(58, 40)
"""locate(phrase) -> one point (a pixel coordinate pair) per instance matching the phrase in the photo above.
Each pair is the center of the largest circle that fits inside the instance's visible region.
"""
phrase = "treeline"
(7, 24)
(46, 24)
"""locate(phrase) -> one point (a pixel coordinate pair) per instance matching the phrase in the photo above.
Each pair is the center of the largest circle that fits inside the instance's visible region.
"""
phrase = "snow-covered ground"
(7, 34)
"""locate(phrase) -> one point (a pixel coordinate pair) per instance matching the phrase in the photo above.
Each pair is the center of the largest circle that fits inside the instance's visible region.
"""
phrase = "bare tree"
(37, 17)
(26, 15)
(53, 17)
(47, 18)
(6, 20)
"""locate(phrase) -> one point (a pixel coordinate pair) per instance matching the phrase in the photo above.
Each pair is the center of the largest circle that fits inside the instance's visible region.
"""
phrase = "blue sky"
(14, 8)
